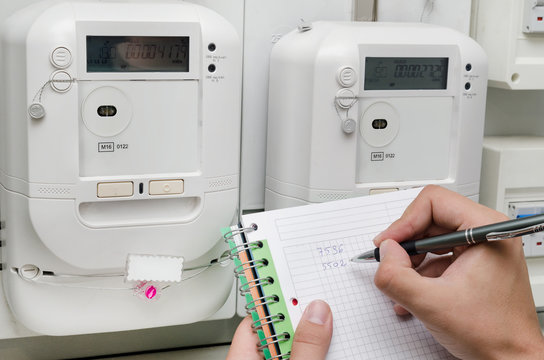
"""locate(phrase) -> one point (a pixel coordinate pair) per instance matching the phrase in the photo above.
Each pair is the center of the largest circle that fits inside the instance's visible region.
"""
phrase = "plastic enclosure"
(329, 137)
(260, 34)
(506, 188)
(79, 191)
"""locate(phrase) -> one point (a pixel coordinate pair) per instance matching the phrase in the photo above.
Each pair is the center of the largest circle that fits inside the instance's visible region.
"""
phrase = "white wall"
(454, 14)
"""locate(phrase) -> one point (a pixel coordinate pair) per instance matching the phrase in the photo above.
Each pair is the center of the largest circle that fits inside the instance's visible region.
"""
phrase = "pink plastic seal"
(148, 291)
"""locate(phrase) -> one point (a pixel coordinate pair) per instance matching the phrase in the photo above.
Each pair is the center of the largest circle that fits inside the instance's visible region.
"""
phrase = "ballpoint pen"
(498, 231)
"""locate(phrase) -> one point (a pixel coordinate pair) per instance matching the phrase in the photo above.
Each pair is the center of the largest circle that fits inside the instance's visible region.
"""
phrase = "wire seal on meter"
(344, 101)
(36, 109)
(149, 290)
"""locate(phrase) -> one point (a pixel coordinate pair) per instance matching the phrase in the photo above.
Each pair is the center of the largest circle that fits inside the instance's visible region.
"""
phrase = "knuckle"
(412, 230)
(430, 189)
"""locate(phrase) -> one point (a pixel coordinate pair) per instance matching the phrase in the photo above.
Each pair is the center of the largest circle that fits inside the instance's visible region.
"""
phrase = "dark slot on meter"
(379, 123)
(106, 110)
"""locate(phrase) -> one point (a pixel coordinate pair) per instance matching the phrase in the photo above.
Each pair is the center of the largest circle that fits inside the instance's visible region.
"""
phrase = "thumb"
(243, 342)
(395, 276)
(314, 332)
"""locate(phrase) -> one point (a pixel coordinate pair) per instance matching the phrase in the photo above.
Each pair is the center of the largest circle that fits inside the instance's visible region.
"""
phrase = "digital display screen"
(137, 54)
(406, 73)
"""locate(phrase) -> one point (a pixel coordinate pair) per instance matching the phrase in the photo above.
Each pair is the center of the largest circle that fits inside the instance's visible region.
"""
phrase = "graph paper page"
(311, 247)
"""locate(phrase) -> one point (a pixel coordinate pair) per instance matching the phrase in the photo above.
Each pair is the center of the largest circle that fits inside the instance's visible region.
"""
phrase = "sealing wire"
(222, 260)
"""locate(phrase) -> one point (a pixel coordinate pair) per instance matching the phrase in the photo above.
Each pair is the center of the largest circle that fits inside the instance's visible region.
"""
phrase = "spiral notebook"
(287, 258)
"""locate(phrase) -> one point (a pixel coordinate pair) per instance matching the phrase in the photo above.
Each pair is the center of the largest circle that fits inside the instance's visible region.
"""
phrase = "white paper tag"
(154, 268)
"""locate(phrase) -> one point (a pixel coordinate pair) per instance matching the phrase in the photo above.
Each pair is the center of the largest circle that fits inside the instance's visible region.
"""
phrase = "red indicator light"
(539, 243)
(539, 18)
(294, 302)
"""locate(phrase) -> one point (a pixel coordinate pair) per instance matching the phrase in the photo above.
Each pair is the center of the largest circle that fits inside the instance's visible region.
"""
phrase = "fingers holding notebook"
(244, 342)
(311, 341)
(477, 303)
(313, 333)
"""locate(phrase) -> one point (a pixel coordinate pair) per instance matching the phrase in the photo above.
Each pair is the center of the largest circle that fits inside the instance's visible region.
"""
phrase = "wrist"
(535, 349)
(526, 349)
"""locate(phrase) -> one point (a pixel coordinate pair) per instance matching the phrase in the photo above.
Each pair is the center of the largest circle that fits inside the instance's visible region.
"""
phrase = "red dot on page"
(294, 302)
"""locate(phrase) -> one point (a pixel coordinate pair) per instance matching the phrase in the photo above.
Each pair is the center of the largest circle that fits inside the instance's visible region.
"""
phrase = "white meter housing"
(512, 35)
(361, 108)
(113, 132)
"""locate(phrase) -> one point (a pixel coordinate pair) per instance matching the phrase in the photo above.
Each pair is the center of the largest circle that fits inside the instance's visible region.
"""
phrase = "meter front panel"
(139, 102)
(407, 92)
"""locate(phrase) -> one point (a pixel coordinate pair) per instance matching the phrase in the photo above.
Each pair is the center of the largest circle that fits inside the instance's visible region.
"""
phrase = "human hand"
(311, 341)
(476, 302)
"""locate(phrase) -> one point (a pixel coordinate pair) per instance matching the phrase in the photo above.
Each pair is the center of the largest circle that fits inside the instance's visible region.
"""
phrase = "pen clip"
(502, 235)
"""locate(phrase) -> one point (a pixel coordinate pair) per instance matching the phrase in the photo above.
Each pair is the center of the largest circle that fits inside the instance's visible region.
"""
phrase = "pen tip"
(365, 257)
